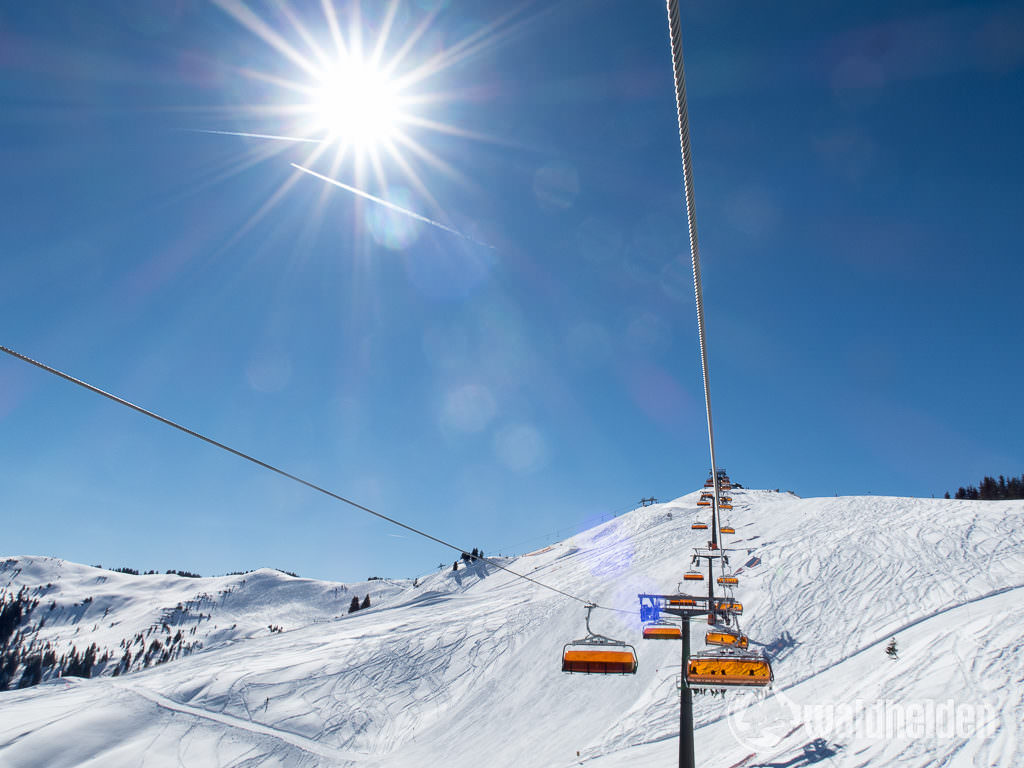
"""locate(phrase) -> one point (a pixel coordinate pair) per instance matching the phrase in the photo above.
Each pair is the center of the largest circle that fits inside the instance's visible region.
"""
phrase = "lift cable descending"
(296, 478)
(675, 34)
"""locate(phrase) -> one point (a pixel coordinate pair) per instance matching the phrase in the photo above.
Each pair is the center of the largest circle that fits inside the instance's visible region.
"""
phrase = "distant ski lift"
(699, 526)
(662, 630)
(728, 581)
(731, 639)
(693, 576)
(728, 668)
(727, 529)
(598, 655)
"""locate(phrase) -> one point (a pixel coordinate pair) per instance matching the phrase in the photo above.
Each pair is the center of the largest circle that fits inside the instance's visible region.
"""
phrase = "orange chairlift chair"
(726, 638)
(720, 668)
(662, 630)
(598, 655)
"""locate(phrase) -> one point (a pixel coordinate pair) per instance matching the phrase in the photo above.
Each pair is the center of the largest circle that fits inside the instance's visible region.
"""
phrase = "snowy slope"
(466, 664)
(80, 605)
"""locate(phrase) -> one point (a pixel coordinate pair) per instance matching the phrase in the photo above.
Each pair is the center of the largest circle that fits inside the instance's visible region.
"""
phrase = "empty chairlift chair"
(693, 576)
(598, 655)
(705, 500)
(699, 526)
(662, 630)
(728, 668)
(728, 580)
(727, 529)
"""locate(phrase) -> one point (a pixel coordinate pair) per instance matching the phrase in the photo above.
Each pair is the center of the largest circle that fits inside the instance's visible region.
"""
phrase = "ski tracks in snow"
(310, 746)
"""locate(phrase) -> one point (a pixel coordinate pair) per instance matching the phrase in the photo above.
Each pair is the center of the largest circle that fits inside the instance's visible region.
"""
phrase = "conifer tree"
(891, 651)
(354, 605)
(366, 603)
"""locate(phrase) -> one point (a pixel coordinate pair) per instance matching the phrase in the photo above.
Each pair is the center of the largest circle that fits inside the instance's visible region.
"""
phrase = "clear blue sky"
(858, 175)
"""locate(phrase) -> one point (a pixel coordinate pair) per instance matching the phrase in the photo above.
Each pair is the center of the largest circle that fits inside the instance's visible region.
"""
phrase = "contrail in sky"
(392, 206)
(257, 135)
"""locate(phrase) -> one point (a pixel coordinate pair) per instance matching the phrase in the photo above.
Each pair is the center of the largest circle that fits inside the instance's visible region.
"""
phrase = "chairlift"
(728, 581)
(725, 505)
(699, 526)
(682, 602)
(693, 576)
(730, 639)
(728, 668)
(731, 607)
(598, 655)
(705, 500)
(727, 529)
(662, 630)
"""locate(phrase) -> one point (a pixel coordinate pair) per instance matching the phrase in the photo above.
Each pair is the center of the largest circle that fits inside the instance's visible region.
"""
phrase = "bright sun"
(355, 104)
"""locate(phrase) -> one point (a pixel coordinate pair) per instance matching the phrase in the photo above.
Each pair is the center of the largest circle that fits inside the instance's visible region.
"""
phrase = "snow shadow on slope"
(812, 752)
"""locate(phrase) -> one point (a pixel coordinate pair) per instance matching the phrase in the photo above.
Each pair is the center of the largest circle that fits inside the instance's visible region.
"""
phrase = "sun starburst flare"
(360, 105)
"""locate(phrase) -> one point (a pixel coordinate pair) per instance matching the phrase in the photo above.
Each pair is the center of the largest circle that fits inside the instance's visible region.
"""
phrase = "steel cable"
(675, 35)
(296, 478)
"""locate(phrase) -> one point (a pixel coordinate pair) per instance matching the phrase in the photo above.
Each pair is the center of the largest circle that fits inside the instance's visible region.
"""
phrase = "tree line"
(991, 489)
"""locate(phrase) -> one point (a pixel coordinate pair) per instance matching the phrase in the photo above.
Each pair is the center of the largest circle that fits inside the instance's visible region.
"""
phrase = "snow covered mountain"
(466, 664)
